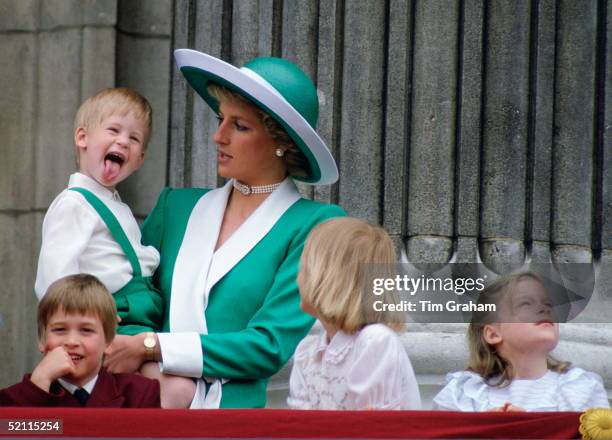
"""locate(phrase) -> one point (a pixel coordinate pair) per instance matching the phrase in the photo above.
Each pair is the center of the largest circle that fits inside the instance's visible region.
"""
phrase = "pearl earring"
(279, 152)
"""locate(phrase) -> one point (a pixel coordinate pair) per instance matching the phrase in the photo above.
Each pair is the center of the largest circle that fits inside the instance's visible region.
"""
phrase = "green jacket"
(252, 312)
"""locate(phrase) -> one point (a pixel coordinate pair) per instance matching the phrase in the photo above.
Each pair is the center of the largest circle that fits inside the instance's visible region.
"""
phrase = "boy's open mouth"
(114, 157)
(112, 165)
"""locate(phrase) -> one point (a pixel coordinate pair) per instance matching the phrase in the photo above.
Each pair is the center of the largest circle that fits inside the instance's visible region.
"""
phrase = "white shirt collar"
(336, 350)
(71, 388)
(83, 181)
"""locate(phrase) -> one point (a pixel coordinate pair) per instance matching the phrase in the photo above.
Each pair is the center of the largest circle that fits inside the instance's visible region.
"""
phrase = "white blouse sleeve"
(298, 390)
(67, 229)
(580, 390)
(464, 391)
(381, 375)
(181, 354)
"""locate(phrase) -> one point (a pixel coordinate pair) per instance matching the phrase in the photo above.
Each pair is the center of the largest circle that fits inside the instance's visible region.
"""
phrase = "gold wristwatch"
(149, 345)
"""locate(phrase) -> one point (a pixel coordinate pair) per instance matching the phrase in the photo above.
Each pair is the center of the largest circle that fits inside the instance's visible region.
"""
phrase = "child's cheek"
(48, 345)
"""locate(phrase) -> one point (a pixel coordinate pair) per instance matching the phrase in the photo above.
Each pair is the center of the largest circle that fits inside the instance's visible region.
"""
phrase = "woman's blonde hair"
(333, 273)
(294, 159)
(484, 358)
(115, 101)
(80, 294)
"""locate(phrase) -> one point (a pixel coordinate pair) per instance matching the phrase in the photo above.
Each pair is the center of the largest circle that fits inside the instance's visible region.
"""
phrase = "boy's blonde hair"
(484, 358)
(80, 294)
(334, 268)
(116, 101)
(294, 159)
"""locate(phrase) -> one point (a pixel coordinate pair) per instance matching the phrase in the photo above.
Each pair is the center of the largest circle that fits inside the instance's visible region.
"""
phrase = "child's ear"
(80, 137)
(41, 346)
(491, 334)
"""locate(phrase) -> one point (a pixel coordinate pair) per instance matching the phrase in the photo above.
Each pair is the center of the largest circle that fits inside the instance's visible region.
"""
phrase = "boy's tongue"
(111, 170)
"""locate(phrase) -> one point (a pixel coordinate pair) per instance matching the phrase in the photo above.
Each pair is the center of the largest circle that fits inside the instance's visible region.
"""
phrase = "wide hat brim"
(200, 69)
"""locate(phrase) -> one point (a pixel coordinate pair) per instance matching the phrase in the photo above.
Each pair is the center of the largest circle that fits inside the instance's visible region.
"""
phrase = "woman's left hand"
(125, 354)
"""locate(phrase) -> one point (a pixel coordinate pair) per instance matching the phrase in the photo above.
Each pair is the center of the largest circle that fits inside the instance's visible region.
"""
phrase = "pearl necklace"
(261, 189)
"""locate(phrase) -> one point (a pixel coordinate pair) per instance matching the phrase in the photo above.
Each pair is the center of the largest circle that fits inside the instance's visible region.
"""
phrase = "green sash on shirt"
(139, 303)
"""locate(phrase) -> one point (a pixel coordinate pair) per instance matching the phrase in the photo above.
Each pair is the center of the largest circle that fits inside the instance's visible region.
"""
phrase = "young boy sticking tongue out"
(88, 229)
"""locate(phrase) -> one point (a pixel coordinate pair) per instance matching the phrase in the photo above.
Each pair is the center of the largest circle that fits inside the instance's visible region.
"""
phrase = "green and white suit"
(234, 313)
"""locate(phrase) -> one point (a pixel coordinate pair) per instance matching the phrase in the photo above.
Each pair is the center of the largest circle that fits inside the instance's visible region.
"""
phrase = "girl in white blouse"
(358, 362)
(510, 368)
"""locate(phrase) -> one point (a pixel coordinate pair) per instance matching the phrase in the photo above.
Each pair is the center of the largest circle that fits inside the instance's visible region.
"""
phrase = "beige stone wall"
(55, 54)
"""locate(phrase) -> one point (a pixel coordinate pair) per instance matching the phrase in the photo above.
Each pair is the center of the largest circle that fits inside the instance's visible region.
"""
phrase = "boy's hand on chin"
(125, 354)
(56, 363)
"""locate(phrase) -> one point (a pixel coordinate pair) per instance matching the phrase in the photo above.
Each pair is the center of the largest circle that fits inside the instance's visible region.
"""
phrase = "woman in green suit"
(229, 256)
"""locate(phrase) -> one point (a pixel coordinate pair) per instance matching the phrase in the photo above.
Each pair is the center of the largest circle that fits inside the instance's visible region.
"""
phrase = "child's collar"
(79, 179)
(336, 350)
(71, 388)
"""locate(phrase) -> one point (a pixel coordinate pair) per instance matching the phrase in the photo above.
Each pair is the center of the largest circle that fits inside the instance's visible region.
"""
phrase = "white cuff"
(181, 353)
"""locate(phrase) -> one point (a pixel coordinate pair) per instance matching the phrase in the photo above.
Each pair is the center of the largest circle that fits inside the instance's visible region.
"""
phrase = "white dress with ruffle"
(365, 370)
(574, 390)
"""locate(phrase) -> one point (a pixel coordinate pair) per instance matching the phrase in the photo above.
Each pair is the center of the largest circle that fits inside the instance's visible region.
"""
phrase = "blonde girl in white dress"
(510, 367)
(358, 362)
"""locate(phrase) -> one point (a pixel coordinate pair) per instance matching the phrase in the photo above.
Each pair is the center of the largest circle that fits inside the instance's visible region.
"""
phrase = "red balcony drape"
(154, 423)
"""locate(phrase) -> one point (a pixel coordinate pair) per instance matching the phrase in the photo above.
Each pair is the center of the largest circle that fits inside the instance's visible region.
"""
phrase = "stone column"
(143, 63)
(56, 53)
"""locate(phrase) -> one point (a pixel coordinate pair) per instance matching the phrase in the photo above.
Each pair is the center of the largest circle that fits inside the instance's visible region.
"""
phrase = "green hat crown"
(291, 82)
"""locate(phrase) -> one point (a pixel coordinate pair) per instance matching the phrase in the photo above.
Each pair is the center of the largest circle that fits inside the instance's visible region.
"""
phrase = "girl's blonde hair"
(484, 358)
(334, 271)
(294, 159)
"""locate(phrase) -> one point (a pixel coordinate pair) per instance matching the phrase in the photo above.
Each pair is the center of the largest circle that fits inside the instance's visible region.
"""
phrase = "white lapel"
(191, 269)
(251, 231)
(198, 267)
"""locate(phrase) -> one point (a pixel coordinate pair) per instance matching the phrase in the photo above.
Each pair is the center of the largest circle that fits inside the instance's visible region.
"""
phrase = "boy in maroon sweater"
(77, 319)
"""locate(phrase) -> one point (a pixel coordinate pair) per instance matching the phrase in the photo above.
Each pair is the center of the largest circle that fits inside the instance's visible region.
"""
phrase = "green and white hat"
(279, 88)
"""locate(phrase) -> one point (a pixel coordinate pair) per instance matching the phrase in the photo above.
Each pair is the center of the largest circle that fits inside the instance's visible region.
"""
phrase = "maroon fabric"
(303, 424)
(110, 391)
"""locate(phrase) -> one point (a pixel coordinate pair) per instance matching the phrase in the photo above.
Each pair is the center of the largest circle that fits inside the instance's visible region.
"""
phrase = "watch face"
(149, 342)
